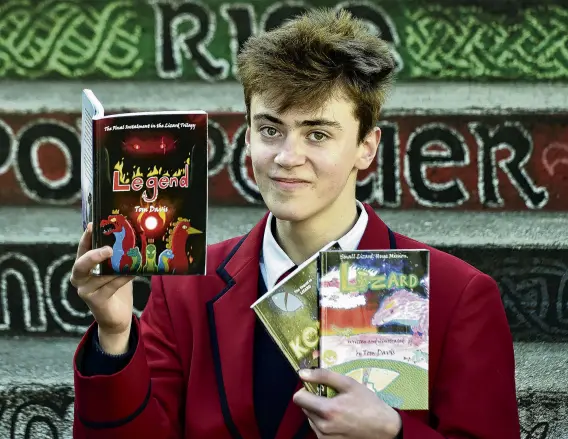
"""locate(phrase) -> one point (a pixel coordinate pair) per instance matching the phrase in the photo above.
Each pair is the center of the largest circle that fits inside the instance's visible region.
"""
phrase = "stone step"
(444, 146)
(199, 41)
(525, 252)
(36, 388)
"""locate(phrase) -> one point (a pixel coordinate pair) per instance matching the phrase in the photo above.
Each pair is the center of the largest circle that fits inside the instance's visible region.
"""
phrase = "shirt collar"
(276, 262)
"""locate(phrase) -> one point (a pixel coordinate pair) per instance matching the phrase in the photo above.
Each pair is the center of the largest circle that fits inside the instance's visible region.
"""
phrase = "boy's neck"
(300, 240)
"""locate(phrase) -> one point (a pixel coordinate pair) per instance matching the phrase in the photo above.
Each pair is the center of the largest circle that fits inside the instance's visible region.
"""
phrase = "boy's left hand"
(355, 412)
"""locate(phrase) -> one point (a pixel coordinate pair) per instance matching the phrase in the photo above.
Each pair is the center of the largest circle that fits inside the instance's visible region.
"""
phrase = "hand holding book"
(355, 411)
(108, 297)
(144, 188)
(361, 314)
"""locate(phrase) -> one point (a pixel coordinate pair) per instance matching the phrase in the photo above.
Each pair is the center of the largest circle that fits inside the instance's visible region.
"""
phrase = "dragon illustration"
(175, 257)
(150, 265)
(125, 239)
(126, 256)
(405, 308)
(163, 261)
(136, 256)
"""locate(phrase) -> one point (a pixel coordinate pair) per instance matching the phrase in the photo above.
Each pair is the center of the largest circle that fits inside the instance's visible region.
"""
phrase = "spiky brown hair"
(313, 57)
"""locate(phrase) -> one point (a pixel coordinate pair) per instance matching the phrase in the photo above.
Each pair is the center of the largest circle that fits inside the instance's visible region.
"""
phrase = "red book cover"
(147, 191)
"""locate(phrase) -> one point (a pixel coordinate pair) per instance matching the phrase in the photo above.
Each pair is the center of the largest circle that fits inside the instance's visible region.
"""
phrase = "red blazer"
(191, 374)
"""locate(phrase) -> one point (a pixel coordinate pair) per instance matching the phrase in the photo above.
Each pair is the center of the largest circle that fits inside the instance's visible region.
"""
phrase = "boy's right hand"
(108, 297)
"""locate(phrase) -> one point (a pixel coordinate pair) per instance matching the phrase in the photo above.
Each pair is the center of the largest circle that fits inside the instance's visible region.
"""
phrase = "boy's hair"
(300, 64)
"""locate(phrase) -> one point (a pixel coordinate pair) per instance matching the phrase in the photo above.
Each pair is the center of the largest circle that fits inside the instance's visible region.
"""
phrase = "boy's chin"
(290, 210)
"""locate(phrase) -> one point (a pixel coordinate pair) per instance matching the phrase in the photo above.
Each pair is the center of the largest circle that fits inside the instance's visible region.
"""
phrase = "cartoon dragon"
(126, 256)
(174, 258)
(163, 261)
(136, 256)
(150, 265)
(405, 308)
(125, 239)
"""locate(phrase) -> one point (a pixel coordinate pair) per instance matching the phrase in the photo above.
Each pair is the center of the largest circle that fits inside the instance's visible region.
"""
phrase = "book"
(374, 319)
(144, 188)
(290, 314)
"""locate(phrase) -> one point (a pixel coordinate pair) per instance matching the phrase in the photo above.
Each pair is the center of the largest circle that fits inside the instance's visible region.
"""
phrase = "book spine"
(207, 233)
(96, 191)
(322, 269)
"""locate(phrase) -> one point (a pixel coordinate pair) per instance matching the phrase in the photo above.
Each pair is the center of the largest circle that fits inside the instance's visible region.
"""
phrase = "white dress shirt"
(274, 262)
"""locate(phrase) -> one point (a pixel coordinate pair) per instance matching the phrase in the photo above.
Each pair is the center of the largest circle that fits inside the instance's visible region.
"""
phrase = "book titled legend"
(144, 188)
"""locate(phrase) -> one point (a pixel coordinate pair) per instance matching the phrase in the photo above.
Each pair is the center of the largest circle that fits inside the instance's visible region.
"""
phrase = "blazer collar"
(275, 262)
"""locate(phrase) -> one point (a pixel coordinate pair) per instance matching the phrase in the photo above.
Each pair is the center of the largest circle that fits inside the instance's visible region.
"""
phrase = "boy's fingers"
(83, 266)
(85, 241)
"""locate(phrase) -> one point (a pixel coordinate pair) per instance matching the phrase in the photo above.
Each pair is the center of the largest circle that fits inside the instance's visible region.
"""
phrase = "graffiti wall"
(41, 411)
(534, 289)
(42, 302)
(147, 39)
(36, 297)
(36, 411)
(514, 162)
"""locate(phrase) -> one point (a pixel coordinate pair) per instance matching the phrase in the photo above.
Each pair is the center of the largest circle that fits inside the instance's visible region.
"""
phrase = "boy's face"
(306, 163)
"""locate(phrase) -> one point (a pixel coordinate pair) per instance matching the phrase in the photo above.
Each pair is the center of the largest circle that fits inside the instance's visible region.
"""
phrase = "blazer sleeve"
(97, 362)
(474, 393)
(144, 398)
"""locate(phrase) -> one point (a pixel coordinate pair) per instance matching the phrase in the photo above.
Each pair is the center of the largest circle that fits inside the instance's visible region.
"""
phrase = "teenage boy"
(198, 364)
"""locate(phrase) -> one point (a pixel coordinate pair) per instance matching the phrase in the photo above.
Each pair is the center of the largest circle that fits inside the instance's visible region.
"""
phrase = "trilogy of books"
(364, 314)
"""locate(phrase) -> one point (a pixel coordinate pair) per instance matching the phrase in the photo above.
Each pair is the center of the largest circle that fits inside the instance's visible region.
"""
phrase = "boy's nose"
(291, 154)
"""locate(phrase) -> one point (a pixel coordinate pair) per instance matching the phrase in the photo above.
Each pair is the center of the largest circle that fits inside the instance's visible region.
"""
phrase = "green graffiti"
(463, 42)
(70, 39)
(198, 40)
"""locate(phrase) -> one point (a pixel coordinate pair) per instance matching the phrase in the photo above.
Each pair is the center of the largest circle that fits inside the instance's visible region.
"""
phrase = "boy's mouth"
(289, 183)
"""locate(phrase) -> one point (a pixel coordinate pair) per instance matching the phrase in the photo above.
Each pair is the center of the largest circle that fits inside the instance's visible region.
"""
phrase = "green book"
(290, 313)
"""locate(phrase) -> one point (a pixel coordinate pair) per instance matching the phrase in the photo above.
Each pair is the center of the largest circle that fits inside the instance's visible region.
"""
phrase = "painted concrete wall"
(37, 299)
(122, 39)
(498, 162)
(452, 147)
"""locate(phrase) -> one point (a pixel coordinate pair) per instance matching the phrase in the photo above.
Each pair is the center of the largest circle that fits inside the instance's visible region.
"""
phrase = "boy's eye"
(269, 131)
(318, 136)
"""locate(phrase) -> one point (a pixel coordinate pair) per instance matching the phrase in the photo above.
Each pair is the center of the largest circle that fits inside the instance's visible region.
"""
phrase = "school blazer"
(191, 374)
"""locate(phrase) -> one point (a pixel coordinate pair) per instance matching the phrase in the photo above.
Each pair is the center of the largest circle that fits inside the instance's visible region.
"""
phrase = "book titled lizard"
(289, 312)
(144, 188)
(374, 320)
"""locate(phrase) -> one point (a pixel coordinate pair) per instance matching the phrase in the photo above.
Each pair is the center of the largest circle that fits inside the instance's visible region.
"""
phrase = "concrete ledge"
(524, 252)
(514, 230)
(36, 389)
(416, 97)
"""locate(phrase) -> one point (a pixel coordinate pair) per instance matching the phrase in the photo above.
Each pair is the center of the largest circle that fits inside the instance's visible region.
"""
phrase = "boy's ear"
(368, 149)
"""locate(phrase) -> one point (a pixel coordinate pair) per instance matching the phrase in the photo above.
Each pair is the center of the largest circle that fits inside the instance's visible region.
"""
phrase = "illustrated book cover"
(144, 188)
(374, 319)
(289, 311)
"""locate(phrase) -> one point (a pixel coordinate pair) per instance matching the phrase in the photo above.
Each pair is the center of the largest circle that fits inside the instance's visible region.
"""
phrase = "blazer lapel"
(231, 325)
(294, 424)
